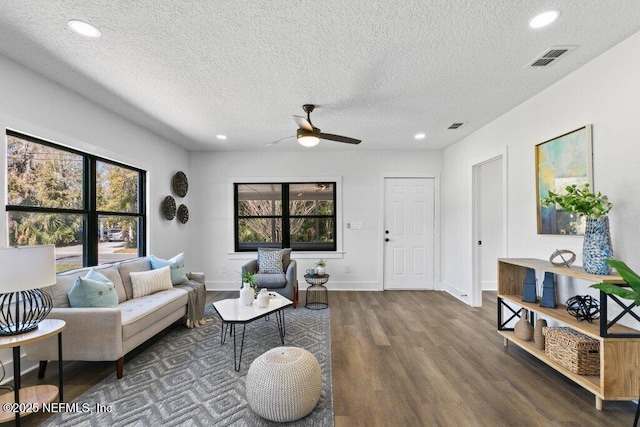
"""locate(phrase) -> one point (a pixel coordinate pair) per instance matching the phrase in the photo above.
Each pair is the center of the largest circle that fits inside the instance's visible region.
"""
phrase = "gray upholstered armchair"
(283, 281)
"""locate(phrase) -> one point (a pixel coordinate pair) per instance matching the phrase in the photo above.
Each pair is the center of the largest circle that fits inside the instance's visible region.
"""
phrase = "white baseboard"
(456, 293)
(302, 285)
(490, 285)
(25, 366)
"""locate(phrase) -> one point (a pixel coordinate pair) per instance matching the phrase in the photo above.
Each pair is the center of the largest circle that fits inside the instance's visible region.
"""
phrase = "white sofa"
(107, 334)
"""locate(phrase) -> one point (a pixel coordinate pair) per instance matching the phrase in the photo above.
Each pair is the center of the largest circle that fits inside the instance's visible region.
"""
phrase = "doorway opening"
(489, 210)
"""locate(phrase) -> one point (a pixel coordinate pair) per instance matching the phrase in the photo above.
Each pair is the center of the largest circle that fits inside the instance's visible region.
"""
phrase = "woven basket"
(575, 351)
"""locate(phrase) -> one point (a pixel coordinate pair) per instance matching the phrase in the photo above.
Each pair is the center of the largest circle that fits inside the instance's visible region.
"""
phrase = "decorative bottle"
(538, 336)
(263, 298)
(247, 294)
(523, 328)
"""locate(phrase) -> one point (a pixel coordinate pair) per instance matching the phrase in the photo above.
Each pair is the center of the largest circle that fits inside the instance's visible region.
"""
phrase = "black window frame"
(89, 210)
(285, 217)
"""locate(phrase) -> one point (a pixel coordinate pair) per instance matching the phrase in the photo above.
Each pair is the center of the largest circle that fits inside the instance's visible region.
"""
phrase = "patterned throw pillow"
(269, 261)
(151, 281)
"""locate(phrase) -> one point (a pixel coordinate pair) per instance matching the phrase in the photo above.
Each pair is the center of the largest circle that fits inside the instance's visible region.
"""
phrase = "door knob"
(386, 240)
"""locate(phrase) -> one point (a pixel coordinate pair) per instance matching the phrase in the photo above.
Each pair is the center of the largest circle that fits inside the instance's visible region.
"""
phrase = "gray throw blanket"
(197, 299)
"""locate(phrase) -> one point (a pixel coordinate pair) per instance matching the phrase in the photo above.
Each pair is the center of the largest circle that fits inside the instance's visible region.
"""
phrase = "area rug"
(187, 378)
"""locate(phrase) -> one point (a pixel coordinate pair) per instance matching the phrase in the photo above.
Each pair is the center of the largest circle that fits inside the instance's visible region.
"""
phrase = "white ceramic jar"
(247, 294)
(263, 298)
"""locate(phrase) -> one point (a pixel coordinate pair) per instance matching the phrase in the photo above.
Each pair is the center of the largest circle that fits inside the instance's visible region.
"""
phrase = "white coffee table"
(231, 313)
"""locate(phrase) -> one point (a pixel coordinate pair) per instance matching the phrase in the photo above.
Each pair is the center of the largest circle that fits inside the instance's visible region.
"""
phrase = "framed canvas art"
(562, 161)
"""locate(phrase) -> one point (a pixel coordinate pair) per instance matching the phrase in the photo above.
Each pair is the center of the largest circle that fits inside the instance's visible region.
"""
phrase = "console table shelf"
(618, 379)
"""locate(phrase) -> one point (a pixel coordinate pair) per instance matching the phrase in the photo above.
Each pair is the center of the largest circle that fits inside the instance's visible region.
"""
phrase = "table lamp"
(23, 271)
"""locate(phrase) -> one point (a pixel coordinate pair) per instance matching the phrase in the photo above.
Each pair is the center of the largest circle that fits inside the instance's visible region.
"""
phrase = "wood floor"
(406, 358)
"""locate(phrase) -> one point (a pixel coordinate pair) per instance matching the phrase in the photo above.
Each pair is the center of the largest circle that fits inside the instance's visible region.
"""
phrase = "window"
(90, 208)
(301, 216)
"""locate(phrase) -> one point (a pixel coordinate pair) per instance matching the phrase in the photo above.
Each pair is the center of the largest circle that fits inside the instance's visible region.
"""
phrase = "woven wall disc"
(180, 184)
(168, 207)
(183, 214)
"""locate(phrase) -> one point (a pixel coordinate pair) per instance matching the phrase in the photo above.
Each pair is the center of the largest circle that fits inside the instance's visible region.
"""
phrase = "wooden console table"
(619, 346)
(34, 395)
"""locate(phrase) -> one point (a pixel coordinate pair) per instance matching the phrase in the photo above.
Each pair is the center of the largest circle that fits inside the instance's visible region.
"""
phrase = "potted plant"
(597, 246)
(252, 282)
(629, 276)
(320, 266)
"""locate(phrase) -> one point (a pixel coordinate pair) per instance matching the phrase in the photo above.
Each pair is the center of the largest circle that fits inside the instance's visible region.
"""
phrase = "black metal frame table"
(24, 401)
(232, 313)
(317, 295)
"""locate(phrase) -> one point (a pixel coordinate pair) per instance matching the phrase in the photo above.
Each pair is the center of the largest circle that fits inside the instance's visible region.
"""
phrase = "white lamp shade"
(27, 267)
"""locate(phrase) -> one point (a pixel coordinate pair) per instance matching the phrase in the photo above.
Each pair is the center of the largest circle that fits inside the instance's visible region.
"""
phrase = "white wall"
(361, 172)
(604, 93)
(34, 105)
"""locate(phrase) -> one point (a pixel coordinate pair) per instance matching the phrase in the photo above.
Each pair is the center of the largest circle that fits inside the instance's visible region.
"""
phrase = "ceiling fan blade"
(279, 141)
(339, 138)
(303, 123)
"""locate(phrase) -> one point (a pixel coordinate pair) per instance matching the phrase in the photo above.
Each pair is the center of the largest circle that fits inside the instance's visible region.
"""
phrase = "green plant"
(252, 281)
(581, 201)
(321, 263)
(629, 276)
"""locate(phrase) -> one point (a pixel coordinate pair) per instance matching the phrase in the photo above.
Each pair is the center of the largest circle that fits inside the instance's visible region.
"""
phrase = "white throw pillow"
(151, 281)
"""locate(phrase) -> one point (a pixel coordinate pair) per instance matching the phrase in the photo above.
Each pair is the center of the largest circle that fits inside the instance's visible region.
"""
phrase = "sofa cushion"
(127, 267)
(141, 313)
(271, 280)
(149, 282)
(93, 293)
(176, 264)
(66, 280)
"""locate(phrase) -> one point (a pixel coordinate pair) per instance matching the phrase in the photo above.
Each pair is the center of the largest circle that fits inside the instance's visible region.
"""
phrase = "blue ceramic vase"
(597, 246)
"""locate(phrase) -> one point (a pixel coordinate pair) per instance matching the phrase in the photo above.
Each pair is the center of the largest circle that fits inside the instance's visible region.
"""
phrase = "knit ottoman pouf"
(284, 384)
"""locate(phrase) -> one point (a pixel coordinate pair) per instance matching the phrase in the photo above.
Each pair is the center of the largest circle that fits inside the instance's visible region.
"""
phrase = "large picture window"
(90, 208)
(301, 216)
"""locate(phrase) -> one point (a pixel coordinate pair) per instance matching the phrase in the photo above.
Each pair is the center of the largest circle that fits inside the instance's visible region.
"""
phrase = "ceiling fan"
(308, 135)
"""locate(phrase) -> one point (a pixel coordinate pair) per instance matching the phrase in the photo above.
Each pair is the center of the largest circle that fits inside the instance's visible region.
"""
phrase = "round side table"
(317, 294)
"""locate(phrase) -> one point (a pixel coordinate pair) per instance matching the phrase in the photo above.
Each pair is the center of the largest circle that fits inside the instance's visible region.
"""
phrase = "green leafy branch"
(629, 276)
(580, 200)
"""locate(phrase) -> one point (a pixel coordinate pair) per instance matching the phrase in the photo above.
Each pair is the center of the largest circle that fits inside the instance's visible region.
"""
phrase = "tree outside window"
(89, 208)
(307, 223)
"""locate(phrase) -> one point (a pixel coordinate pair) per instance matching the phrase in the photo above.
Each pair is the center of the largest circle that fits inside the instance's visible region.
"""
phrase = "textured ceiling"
(379, 70)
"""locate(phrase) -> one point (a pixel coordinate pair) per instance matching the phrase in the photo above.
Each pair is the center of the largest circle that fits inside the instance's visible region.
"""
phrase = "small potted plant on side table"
(320, 266)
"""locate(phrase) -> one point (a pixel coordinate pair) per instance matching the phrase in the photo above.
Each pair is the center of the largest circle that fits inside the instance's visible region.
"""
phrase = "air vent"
(550, 56)
(455, 125)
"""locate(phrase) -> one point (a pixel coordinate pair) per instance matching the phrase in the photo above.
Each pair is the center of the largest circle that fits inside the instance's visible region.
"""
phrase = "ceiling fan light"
(308, 140)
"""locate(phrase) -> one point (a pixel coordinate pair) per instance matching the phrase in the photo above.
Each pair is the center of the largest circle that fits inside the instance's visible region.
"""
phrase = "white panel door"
(409, 205)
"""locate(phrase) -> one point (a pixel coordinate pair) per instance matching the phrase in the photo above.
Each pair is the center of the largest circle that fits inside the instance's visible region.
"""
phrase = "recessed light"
(420, 136)
(83, 28)
(544, 19)
(221, 136)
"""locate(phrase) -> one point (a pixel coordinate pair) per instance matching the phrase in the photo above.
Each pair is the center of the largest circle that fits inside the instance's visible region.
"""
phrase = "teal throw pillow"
(176, 264)
(93, 293)
(93, 274)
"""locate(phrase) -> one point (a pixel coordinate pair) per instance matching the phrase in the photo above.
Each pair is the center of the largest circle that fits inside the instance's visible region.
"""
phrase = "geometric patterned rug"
(187, 378)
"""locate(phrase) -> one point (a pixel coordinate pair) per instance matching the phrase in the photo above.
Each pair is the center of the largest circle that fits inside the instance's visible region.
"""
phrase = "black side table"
(317, 294)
